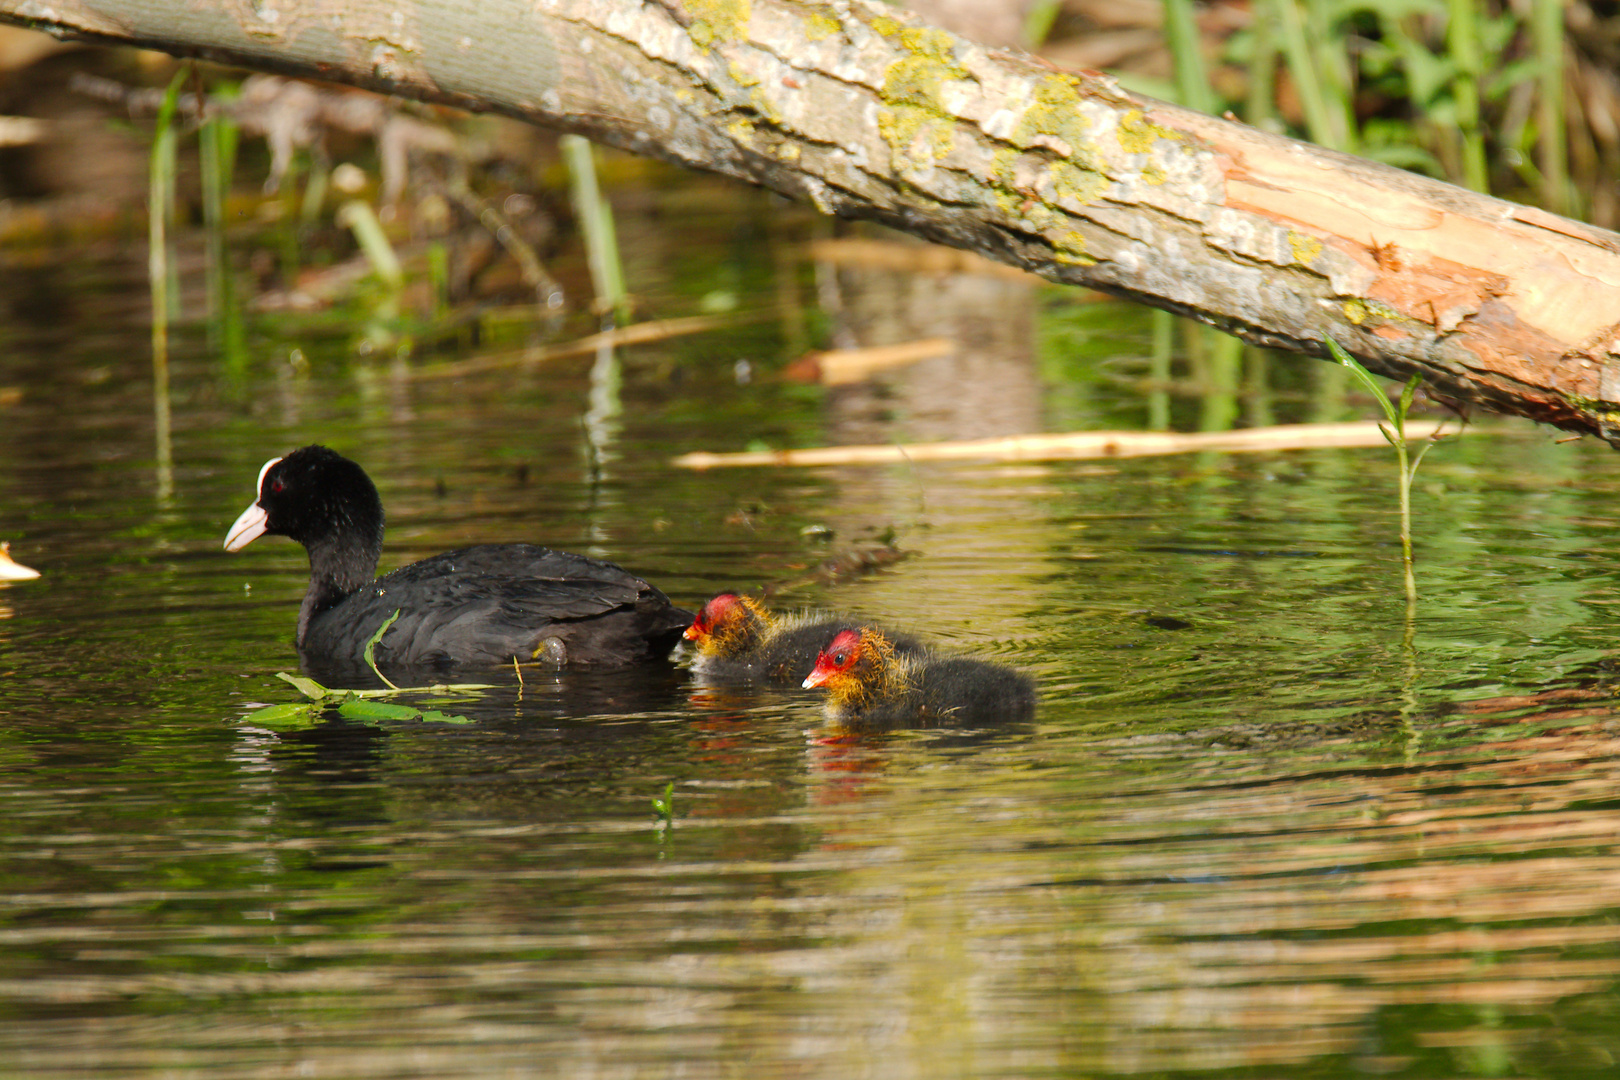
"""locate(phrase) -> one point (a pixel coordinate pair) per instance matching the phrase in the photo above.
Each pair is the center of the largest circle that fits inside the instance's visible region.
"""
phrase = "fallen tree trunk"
(868, 113)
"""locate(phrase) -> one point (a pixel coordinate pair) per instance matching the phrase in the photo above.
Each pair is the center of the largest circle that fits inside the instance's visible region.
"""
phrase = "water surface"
(1262, 824)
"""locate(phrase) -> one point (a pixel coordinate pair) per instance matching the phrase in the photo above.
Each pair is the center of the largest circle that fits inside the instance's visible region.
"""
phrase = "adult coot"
(736, 639)
(872, 685)
(479, 606)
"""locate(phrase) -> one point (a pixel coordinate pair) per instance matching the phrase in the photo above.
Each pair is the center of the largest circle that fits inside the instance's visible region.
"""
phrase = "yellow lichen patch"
(741, 76)
(1137, 133)
(819, 26)
(1361, 310)
(913, 117)
(1153, 174)
(1070, 249)
(1084, 186)
(902, 126)
(926, 41)
(1054, 111)
(741, 130)
(1305, 248)
(885, 26)
(1037, 216)
(718, 21)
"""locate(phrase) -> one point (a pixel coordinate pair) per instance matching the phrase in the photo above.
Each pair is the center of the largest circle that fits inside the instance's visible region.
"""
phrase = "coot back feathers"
(475, 607)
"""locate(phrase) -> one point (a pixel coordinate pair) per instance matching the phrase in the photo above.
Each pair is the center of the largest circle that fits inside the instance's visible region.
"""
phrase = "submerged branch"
(1064, 446)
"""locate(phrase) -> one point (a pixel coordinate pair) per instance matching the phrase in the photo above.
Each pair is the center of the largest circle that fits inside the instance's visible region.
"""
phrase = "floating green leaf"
(366, 709)
(306, 686)
(300, 714)
(434, 716)
(360, 704)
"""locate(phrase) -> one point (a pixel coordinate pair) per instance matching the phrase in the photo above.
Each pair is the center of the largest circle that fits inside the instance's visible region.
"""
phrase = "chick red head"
(713, 614)
(837, 658)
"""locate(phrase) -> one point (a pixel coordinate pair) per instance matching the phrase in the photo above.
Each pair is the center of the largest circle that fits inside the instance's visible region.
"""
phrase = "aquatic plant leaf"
(1408, 392)
(306, 686)
(365, 709)
(1365, 377)
(665, 807)
(434, 716)
(371, 647)
(295, 715)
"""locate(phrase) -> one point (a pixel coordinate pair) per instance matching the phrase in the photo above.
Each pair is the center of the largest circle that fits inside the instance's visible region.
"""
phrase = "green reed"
(1324, 95)
(1547, 34)
(1440, 104)
(217, 139)
(160, 272)
(1186, 46)
(1215, 357)
(1463, 41)
(1042, 14)
(1395, 431)
(595, 217)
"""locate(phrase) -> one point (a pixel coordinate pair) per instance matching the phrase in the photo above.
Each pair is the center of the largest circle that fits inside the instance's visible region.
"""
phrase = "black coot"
(476, 607)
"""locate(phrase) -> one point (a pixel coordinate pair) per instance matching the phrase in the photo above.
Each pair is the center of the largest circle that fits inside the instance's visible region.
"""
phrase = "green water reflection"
(1249, 833)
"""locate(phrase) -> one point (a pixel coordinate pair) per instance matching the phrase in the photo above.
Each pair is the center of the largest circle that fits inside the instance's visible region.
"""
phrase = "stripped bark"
(868, 113)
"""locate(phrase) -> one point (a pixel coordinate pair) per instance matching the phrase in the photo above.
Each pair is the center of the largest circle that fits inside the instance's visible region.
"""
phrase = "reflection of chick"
(737, 640)
(871, 685)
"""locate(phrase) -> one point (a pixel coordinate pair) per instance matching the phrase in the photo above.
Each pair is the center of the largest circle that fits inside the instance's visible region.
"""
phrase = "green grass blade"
(1187, 56)
(371, 648)
(1547, 32)
(1365, 377)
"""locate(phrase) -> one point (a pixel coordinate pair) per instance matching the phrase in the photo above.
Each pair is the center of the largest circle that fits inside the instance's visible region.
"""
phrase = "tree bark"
(869, 113)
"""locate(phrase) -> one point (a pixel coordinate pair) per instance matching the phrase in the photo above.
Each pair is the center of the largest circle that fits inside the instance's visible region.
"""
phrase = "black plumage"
(475, 607)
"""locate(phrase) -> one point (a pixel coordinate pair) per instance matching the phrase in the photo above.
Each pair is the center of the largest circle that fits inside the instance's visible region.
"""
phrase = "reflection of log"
(985, 386)
(635, 334)
(864, 111)
(908, 258)
(1080, 444)
(834, 367)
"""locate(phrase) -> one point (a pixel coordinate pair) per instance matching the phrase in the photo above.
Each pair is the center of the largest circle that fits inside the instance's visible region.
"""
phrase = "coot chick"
(474, 607)
(738, 640)
(871, 685)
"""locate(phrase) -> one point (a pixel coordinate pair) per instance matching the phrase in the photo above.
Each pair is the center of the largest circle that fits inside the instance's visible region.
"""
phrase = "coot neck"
(340, 563)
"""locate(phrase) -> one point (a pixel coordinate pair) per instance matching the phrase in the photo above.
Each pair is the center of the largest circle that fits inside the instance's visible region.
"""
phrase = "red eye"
(277, 486)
